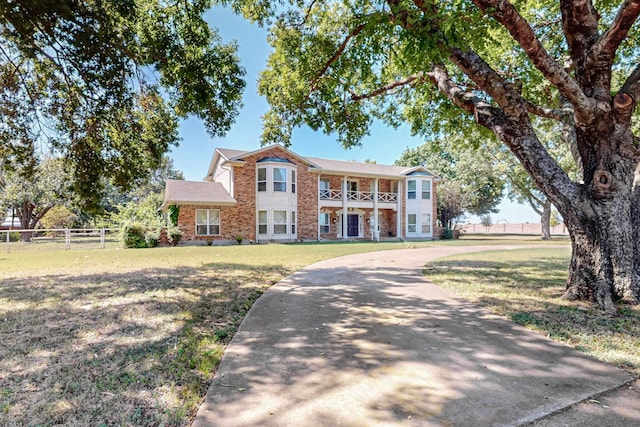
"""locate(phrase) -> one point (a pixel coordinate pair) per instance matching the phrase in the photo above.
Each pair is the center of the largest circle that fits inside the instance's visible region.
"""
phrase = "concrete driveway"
(367, 340)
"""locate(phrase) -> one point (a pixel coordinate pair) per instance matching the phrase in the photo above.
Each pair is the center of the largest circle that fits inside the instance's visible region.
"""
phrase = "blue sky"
(384, 145)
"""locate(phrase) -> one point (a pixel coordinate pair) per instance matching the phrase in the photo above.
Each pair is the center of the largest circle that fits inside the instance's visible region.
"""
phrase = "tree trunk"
(604, 266)
(545, 220)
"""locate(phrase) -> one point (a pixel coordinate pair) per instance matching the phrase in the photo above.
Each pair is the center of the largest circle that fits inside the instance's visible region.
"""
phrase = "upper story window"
(293, 181)
(324, 188)
(275, 175)
(426, 190)
(262, 179)
(411, 189)
(279, 179)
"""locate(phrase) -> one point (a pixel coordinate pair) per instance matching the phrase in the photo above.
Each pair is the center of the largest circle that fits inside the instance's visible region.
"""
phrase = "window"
(426, 223)
(207, 222)
(262, 222)
(293, 181)
(352, 190)
(262, 179)
(324, 223)
(324, 188)
(293, 222)
(279, 179)
(411, 189)
(411, 223)
(279, 222)
(426, 190)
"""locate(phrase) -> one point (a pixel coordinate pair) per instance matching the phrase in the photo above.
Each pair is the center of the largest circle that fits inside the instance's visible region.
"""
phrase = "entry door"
(352, 225)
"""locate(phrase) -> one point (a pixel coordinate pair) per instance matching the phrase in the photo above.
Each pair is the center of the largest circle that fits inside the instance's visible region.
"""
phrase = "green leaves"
(105, 83)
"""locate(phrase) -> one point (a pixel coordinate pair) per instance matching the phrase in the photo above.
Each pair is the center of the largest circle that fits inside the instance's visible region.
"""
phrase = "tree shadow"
(134, 348)
(379, 345)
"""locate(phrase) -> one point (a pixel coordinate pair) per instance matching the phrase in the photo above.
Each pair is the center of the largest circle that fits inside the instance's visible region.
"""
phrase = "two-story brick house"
(274, 194)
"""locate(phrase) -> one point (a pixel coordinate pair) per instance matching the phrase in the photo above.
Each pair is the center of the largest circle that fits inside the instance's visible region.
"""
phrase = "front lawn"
(525, 286)
(129, 337)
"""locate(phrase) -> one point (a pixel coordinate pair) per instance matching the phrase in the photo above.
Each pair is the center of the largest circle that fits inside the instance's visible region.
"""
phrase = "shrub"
(152, 237)
(58, 217)
(133, 236)
(174, 235)
(447, 234)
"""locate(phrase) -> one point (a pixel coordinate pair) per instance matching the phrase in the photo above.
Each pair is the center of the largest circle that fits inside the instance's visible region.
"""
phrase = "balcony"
(358, 196)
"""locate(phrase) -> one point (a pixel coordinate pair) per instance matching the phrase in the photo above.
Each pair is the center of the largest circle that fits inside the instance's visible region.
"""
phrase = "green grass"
(133, 336)
(129, 337)
(526, 285)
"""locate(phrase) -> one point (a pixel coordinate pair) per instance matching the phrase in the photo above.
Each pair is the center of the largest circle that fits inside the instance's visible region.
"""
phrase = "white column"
(344, 207)
(318, 210)
(400, 198)
(376, 232)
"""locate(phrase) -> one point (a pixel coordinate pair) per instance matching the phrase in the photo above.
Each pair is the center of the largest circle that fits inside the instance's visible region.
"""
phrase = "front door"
(352, 225)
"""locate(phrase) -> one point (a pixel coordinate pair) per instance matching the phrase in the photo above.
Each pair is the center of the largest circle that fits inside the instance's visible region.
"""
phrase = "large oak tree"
(338, 65)
(105, 83)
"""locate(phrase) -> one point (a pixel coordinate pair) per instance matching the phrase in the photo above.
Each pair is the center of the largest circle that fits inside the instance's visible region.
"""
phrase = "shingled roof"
(179, 192)
(337, 166)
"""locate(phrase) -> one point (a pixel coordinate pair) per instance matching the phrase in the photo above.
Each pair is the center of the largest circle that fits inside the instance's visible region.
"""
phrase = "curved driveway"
(367, 340)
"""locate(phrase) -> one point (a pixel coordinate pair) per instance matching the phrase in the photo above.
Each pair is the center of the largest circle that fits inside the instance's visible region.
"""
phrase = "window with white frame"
(324, 188)
(426, 190)
(279, 222)
(262, 222)
(324, 223)
(293, 222)
(208, 222)
(262, 179)
(279, 179)
(293, 181)
(426, 223)
(411, 223)
(411, 189)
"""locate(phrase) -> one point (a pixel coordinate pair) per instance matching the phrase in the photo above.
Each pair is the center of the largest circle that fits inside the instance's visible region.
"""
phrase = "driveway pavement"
(366, 340)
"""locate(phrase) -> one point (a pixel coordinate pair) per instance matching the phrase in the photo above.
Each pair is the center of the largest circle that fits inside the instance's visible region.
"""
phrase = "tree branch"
(606, 47)
(507, 15)
(357, 30)
(398, 83)
(548, 113)
(580, 24)
(625, 101)
(510, 123)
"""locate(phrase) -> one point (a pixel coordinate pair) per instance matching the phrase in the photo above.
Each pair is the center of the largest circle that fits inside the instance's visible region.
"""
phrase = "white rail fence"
(67, 238)
(526, 228)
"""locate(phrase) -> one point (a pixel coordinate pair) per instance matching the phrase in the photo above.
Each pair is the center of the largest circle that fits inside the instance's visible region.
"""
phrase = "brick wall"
(187, 223)
(241, 218)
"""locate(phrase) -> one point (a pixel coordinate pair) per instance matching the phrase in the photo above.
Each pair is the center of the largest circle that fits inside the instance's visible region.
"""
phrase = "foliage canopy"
(104, 84)
(337, 65)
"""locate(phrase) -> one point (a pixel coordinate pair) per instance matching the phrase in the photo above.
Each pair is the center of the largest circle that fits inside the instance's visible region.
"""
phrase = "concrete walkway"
(366, 340)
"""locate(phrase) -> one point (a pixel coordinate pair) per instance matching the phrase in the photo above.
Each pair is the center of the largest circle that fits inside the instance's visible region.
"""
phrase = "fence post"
(67, 238)
(102, 238)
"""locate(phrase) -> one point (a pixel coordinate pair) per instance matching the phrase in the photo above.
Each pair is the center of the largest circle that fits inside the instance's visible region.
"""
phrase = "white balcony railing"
(359, 196)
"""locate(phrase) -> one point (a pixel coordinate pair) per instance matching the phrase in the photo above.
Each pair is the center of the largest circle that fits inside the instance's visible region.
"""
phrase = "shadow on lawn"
(529, 294)
(112, 349)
